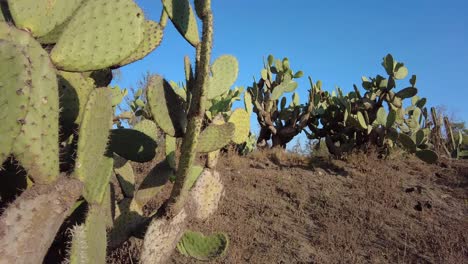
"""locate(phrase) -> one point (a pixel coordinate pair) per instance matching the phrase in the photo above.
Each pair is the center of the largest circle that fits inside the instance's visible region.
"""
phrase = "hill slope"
(282, 208)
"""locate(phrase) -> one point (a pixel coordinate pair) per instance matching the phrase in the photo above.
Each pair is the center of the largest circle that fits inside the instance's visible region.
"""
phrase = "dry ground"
(284, 208)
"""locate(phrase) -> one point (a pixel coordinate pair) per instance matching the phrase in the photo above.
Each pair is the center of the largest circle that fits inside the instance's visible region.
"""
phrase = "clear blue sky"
(334, 41)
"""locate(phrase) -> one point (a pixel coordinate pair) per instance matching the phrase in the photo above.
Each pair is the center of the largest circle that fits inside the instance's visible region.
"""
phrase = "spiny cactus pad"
(15, 91)
(165, 106)
(142, 139)
(91, 166)
(79, 246)
(74, 90)
(206, 194)
(215, 137)
(181, 14)
(241, 119)
(162, 236)
(224, 71)
(91, 240)
(99, 34)
(36, 147)
(152, 38)
(201, 247)
(41, 16)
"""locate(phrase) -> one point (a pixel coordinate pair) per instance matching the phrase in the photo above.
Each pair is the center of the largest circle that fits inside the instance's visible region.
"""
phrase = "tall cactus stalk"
(196, 112)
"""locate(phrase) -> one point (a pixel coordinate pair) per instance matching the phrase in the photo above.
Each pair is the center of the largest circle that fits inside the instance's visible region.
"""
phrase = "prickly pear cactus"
(377, 116)
(52, 91)
(100, 46)
(201, 247)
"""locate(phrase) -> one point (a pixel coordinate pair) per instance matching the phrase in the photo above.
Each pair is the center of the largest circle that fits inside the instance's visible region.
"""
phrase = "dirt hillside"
(285, 208)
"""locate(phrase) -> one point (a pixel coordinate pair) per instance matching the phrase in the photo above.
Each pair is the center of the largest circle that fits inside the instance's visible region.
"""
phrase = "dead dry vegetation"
(286, 208)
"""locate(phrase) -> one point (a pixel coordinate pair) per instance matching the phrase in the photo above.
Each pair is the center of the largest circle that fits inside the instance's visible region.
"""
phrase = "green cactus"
(15, 95)
(241, 120)
(153, 183)
(183, 17)
(36, 146)
(34, 77)
(353, 120)
(100, 46)
(153, 36)
(34, 116)
(165, 107)
(215, 137)
(89, 240)
(171, 146)
(74, 90)
(143, 138)
(92, 166)
(278, 122)
(224, 71)
(124, 172)
(42, 16)
(196, 245)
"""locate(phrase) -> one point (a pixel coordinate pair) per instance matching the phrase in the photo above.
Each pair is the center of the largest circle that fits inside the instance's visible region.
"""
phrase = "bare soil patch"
(284, 208)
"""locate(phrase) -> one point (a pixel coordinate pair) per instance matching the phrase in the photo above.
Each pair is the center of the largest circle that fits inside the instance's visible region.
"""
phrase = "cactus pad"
(74, 90)
(427, 156)
(142, 139)
(171, 146)
(205, 248)
(91, 166)
(96, 183)
(124, 171)
(89, 240)
(241, 119)
(147, 127)
(407, 143)
(99, 34)
(193, 175)
(79, 246)
(152, 38)
(15, 92)
(206, 194)
(53, 36)
(215, 137)
(165, 107)
(182, 15)
(248, 102)
(36, 146)
(224, 71)
(153, 183)
(41, 16)
(407, 93)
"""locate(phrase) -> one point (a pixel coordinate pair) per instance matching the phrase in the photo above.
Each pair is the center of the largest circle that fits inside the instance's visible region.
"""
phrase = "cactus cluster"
(56, 62)
(278, 121)
(376, 116)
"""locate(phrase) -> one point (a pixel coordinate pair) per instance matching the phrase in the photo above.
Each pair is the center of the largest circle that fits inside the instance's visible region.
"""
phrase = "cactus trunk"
(29, 225)
(195, 115)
